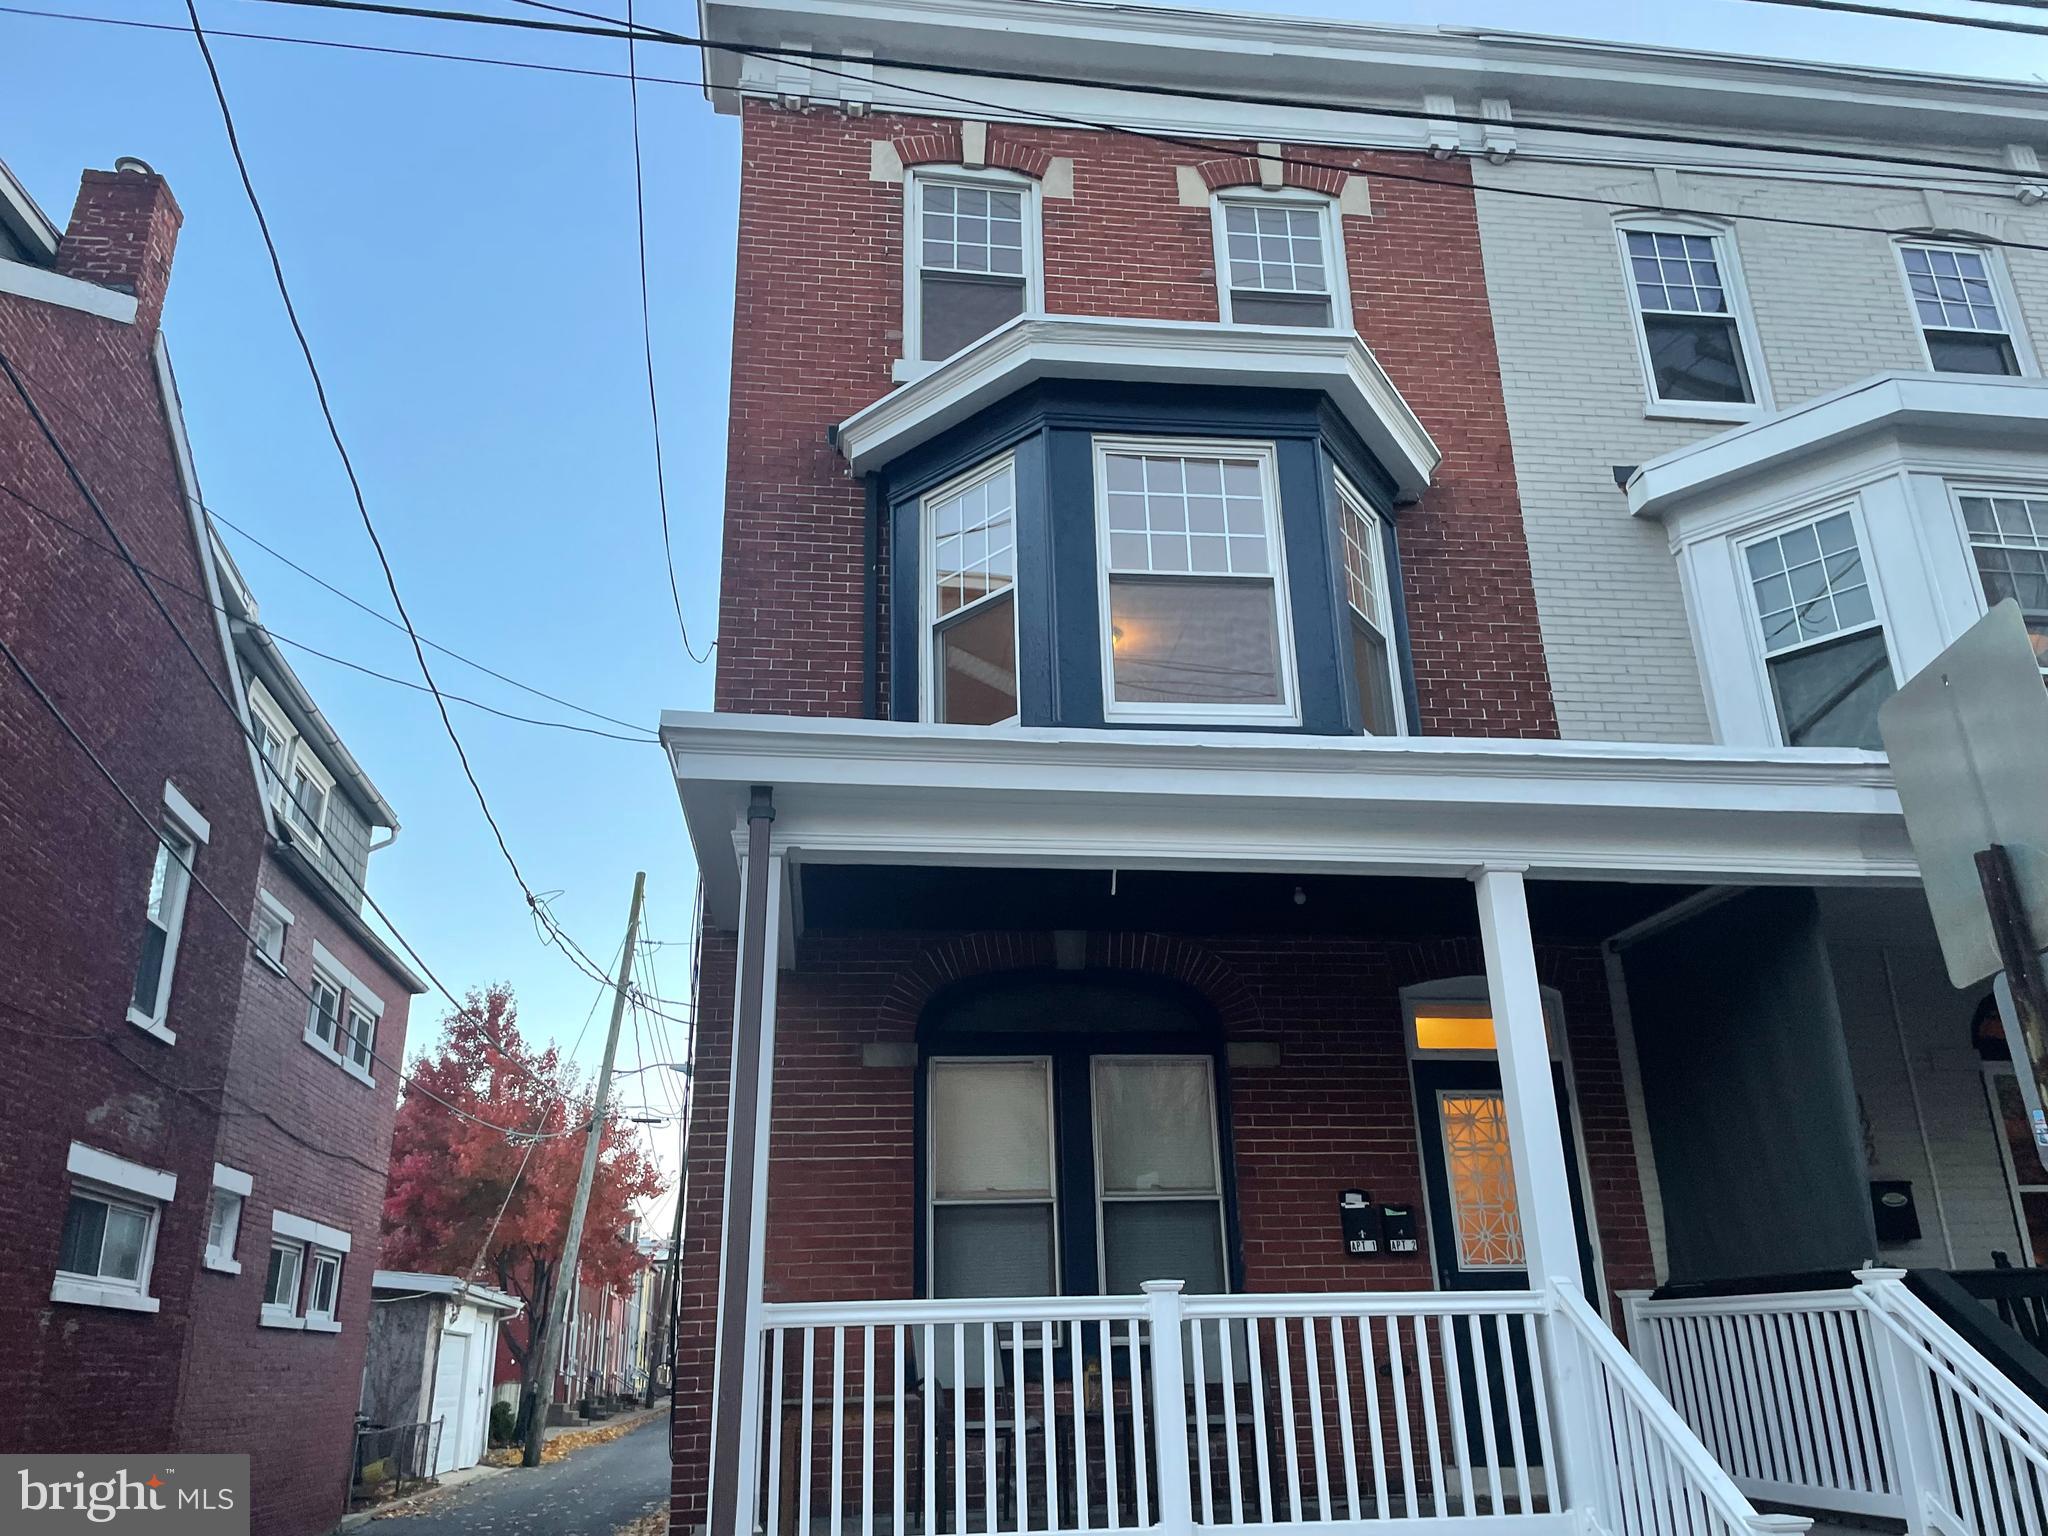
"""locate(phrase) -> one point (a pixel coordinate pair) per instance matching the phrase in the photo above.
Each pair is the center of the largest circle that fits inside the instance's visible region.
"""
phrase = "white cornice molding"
(1361, 64)
(1990, 412)
(47, 287)
(1030, 348)
(898, 793)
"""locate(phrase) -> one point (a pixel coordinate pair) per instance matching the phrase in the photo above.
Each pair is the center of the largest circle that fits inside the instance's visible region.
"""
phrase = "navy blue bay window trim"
(1050, 428)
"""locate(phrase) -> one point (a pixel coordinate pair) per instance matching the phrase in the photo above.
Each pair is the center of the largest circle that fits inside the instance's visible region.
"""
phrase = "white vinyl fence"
(1860, 1400)
(1181, 1414)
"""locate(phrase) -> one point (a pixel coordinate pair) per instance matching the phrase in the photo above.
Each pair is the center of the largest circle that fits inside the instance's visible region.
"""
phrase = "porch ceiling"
(881, 792)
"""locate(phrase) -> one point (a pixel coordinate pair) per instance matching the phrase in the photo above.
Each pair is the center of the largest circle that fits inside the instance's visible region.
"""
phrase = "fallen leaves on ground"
(653, 1523)
(569, 1441)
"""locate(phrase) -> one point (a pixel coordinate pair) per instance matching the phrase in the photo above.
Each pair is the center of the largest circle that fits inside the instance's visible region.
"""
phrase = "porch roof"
(867, 791)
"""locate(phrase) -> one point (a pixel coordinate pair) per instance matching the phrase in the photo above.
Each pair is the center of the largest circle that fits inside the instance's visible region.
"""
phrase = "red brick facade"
(818, 324)
(238, 1086)
(818, 321)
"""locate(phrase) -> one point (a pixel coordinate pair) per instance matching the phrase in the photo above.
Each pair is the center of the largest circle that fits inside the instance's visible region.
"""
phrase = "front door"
(451, 1401)
(1475, 1231)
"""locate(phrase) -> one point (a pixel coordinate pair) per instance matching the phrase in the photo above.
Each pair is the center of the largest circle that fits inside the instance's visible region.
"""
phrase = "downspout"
(871, 613)
(743, 1172)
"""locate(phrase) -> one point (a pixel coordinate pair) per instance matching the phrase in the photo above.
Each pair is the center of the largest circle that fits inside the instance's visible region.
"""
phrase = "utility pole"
(672, 1277)
(549, 1345)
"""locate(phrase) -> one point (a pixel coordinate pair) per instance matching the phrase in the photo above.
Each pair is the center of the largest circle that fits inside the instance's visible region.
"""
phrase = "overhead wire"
(1897, 13)
(562, 938)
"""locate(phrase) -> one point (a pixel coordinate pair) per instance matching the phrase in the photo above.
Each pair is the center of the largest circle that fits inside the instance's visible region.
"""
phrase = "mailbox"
(1361, 1222)
(1893, 1211)
(1397, 1228)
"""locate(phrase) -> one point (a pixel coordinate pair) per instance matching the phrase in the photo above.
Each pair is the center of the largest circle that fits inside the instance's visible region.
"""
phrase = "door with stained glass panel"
(1474, 1220)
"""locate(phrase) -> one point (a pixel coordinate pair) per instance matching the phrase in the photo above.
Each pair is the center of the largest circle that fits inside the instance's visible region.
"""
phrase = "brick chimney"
(123, 230)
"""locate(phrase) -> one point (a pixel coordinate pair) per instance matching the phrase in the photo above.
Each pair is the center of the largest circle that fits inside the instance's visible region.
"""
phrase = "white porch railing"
(1860, 1400)
(1222, 1413)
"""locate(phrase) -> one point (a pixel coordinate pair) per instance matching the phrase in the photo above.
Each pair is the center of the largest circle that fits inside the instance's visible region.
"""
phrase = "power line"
(77, 479)
(612, 26)
(185, 863)
(668, 548)
(648, 737)
(1944, 18)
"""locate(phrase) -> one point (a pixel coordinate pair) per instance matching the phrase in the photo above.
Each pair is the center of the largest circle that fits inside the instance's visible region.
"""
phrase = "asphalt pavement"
(591, 1492)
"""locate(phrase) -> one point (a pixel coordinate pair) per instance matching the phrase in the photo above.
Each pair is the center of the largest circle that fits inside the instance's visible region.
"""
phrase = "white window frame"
(308, 1240)
(352, 993)
(304, 761)
(187, 821)
(267, 714)
(1349, 499)
(2001, 290)
(133, 1186)
(928, 618)
(932, 1200)
(1760, 656)
(1957, 490)
(915, 180)
(269, 907)
(1333, 248)
(1103, 1197)
(1288, 710)
(1728, 260)
(322, 1319)
(237, 1186)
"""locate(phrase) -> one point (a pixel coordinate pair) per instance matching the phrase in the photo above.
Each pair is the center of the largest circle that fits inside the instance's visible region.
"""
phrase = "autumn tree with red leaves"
(450, 1175)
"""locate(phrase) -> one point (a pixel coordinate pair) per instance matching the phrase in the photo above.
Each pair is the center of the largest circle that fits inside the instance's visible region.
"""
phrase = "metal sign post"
(1968, 740)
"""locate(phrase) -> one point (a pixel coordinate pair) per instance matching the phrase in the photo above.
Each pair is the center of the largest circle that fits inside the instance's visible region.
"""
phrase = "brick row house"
(1305, 919)
(200, 1027)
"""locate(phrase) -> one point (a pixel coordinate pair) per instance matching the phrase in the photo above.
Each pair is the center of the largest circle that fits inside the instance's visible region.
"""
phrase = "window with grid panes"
(1192, 552)
(1823, 645)
(971, 261)
(2009, 543)
(971, 597)
(1366, 597)
(1680, 288)
(1957, 306)
(1279, 262)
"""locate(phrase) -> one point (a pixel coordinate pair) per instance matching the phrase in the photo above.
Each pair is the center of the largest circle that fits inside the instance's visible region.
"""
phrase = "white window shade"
(991, 1130)
(1155, 1125)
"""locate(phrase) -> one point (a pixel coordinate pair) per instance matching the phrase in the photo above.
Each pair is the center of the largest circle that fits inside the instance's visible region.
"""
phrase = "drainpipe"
(871, 614)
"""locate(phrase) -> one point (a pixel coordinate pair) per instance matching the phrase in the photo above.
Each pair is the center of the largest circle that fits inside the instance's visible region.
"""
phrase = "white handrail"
(1360, 1303)
(1654, 1474)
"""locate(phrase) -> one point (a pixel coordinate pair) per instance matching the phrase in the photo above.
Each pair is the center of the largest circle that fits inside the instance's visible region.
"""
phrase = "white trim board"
(119, 1173)
(305, 1230)
(357, 989)
(47, 287)
(1029, 348)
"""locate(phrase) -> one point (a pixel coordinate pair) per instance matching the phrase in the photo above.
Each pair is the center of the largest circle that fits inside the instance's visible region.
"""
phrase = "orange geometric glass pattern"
(1485, 1214)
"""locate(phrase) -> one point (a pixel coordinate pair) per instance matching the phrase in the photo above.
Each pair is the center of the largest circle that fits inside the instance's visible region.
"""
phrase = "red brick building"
(205, 1025)
(1165, 983)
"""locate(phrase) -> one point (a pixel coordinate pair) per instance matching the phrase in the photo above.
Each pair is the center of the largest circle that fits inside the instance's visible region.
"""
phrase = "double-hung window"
(323, 1287)
(231, 1188)
(993, 1207)
(1280, 258)
(108, 1245)
(1193, 593)
(323, 1019)
(1823, 643)
(179, 835)
(1366, 598)
(1159, 1179)
(281, 1282)
(302, 1288)
(2009, 541)
(273, 923)
(273, 745)
(970, 596)
(1690, 325)
(972, 258)
(308, 806)
(1966, 326)
(360, 1044)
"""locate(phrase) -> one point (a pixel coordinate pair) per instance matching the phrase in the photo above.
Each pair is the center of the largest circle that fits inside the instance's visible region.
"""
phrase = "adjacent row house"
(201, 1029)
(1305, 919)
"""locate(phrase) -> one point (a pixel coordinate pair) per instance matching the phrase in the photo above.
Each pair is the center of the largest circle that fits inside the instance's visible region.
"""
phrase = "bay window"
(1193, 608)
(970, 597)
(1823, 642)
(1373, 661)
(2008, 536)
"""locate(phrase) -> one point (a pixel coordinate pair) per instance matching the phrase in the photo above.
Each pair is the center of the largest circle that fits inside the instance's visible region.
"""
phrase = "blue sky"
(460, 239)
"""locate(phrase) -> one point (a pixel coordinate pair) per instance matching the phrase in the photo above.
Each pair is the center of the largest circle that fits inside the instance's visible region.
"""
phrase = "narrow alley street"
(591, 1492)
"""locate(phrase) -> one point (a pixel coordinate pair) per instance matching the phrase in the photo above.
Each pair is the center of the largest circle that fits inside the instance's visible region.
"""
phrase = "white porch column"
(1542, 1177)
(736, 1363)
